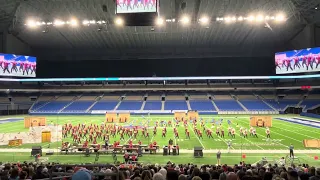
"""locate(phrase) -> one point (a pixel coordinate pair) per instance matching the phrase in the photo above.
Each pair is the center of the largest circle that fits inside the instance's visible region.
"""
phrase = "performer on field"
(268, 132)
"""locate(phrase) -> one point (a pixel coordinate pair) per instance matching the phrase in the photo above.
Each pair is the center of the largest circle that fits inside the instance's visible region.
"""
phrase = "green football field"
(282, 135)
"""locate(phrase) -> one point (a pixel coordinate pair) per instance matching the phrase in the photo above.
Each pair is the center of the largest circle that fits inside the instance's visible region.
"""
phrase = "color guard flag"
(244, 156)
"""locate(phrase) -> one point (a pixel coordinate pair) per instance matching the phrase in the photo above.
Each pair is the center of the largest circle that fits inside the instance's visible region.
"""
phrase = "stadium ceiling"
(14, 14)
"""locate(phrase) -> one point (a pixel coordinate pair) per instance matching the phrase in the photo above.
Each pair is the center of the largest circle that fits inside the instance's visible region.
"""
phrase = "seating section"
(153, 105)
(78, 106)
(228, 105)
(105, 105)
(54, 106)
(224, 101)
(202, 105)
(175, 105)
(130, 105)
(282, 104)
(308, 104)
(255, 105)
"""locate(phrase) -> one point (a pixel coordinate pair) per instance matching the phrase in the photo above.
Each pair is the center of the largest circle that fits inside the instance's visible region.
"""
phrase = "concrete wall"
(306, 38)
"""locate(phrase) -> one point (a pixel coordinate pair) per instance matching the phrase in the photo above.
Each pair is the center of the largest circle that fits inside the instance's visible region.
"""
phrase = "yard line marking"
(196, 136)
(296, 133)
(283, 124)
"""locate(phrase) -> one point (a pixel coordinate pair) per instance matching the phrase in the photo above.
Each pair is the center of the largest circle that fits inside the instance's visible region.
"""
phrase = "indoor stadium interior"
(160, 89)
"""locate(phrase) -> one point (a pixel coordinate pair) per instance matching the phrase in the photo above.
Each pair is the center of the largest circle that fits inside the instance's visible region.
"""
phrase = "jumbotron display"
(17, 65)
(136, 6)
(298, 61)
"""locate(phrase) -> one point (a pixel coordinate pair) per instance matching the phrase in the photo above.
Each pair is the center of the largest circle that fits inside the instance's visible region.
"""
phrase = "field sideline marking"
(196, 136)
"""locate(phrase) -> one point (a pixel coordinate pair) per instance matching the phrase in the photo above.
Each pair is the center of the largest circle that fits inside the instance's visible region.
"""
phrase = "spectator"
(232, 176)
(196, 178)
(317, 175)
(14, 174)
(163, 172)
(182, 177)
(23, 175)
(158, 176)
(146, 175)
(222, 176)
(292, 175)
(172, 175)
(136, 174)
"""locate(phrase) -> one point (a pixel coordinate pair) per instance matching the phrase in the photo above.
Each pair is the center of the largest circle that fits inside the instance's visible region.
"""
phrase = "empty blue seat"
(78, 106)
(201, 105)
(105, 105)
(255, 105)
(54, 106)
(175, 105)
(153, 105)
(310, 103)
(130, 105)
(228, 105)
(282, 104)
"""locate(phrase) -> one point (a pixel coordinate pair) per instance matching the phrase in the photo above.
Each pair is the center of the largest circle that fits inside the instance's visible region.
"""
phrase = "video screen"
(17, 65)
(298, 61)
(136, 6)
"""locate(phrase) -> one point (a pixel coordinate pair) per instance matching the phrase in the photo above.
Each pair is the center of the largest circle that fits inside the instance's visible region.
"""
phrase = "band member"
(288, 64)
(268, 132)
(317, 60)
(233, 133)
(222, 132)
(277, 64)
(254, 133)
(291, 147)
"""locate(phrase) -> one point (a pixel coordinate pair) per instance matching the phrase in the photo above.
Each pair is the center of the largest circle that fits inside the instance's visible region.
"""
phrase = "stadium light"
(118, 21)
(159, 21)
(185, 20)
(280, 18)
(31, 23)
(234, 18)
(73, 22)
(92, 22)
(259, 18)
(240, 18)
(59, 23)
(267, 18)
(227, 19)
(85, 22)
(251, 18)
(204, 20)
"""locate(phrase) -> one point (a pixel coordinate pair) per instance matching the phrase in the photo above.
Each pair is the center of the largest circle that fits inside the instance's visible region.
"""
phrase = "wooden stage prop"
(261, 121)
(15, 142)
(180, 116)
(114, 117)
(311, 143)
(124, 117)
(34, 121)
(111, 117)
(193, 115)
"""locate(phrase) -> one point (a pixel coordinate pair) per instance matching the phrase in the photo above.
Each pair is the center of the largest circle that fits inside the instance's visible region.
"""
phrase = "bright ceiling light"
(118, 21)
(92, 22)
(73, 22)
(259, 18)
(85, 22)
(267, 18)
(251, 18)
(204, 20)
(31, 23)
(159, 21)
(234, 18)
(280, 17)
(185, 20)
(227, 19)
(59, 23)
(272, 17)
(240, 18)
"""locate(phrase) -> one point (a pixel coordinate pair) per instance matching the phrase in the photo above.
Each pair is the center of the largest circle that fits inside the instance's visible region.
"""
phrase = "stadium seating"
(130, 105)
(309, 104)
(228, 105)
(281, 104)
(202, 105)
(153, 105)
(53, 106)
(105, 105)
(78, 106)
(175, 105)
(255, 105)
